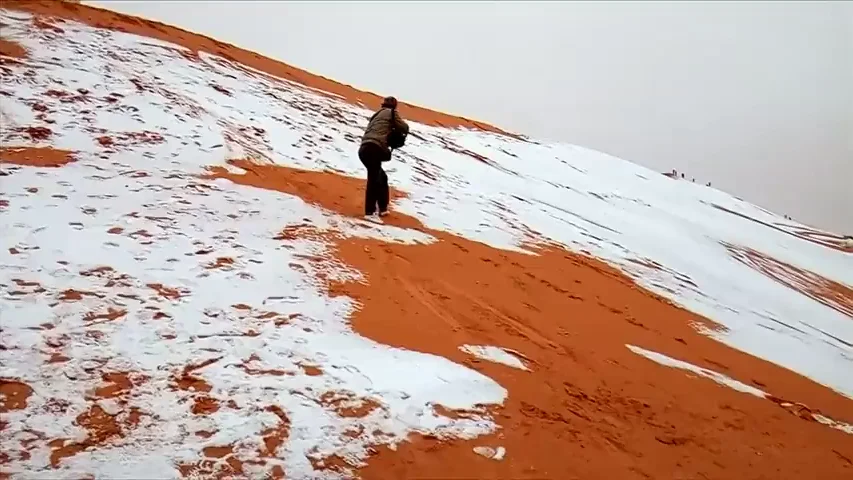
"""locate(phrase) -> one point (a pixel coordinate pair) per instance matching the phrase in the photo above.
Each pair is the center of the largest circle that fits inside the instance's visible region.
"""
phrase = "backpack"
(396, 138)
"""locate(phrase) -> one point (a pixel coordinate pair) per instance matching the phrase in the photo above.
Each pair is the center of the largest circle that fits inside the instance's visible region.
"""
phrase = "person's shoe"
(384, 213)
(373, 218)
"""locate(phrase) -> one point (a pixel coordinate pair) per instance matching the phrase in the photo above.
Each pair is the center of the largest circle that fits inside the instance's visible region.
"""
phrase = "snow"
(727, 381)
(491, 453)
(494, 354)
(844, 427)
(205, 323)
(483, 186)
(186, 223)
(704, 372)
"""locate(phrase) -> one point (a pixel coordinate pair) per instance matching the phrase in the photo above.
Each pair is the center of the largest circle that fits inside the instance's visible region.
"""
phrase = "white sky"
(755, 97)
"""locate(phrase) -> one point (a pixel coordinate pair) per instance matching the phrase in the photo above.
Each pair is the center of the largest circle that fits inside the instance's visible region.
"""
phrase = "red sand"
(608, 412)
(35, 156)
(830, 293)
(11, 49)
(589, 408)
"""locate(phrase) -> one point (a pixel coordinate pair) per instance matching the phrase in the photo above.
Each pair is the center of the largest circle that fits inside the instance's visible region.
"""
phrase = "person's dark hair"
(389, 102)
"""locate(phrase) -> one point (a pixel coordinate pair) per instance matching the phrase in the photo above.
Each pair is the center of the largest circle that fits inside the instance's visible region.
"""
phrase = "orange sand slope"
(187, 287)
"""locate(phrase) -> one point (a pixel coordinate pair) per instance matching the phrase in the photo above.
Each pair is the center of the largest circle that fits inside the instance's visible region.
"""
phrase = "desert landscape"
(188, 288)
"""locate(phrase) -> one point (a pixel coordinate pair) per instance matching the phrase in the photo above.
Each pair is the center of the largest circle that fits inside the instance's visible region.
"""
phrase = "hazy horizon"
(755, 97)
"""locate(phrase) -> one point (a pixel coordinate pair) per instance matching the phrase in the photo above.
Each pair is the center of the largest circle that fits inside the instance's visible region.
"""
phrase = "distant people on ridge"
(675, 174)
(385, 132)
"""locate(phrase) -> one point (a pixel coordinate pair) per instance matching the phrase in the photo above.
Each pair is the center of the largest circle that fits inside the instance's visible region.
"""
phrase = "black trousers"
(376, 193)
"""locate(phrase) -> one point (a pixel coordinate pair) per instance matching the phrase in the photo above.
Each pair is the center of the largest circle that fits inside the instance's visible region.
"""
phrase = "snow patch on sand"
(844, 427)
(731, 383)
(704, 372)
(494, 354)
(491, 453)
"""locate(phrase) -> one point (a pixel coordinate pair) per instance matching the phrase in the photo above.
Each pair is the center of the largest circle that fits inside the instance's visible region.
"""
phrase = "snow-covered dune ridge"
(142, 118)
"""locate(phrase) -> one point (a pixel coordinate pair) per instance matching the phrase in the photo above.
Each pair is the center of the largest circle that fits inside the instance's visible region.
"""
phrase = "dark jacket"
(380, 126)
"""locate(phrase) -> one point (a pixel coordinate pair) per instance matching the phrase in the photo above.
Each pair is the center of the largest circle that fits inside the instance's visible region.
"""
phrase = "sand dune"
(187, 288)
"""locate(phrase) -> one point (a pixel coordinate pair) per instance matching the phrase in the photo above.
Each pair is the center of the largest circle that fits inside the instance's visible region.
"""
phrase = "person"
(375, 150)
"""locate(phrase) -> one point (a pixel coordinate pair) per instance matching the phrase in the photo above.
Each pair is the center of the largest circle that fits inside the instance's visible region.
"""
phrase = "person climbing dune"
(385, 132)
